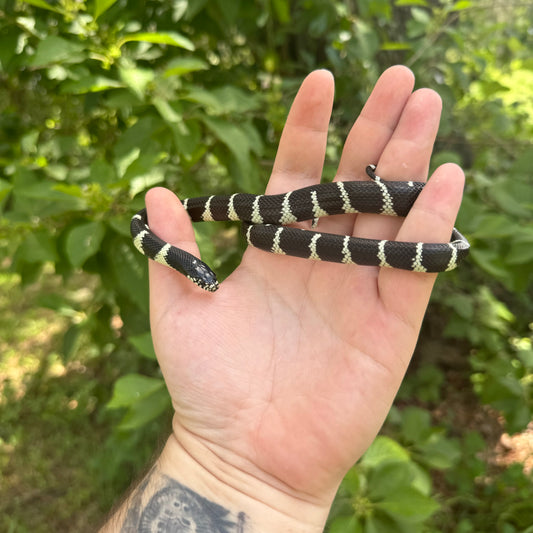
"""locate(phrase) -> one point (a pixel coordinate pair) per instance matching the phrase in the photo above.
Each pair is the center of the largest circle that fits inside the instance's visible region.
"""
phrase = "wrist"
(256, 503)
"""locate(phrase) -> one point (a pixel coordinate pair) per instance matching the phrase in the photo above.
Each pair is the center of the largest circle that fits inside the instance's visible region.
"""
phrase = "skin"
(281, 379)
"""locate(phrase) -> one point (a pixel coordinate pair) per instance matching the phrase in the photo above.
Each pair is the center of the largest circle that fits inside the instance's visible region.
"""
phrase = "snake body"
(265, 219)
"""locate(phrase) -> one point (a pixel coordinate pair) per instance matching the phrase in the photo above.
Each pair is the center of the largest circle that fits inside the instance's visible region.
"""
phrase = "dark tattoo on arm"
(174, 508)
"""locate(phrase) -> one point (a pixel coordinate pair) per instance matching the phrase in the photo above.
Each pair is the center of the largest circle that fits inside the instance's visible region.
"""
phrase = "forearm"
(179, 494)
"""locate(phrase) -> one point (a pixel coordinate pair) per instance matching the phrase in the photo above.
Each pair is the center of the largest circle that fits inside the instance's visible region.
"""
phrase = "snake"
(266, 221)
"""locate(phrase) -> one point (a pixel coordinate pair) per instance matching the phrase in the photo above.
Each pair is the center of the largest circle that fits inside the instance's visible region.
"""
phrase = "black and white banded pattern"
(265, 219)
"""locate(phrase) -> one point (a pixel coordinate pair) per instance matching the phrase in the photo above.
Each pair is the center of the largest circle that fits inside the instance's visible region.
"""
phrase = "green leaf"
(44, 5)
(352, 481)
(90, 84)
(144, 172)
(229, 10)
(511, 196)
(415, 424)
(439, 452)
(408, 504)
(493, 225)
(35, 197)
(379, 522)
(146, 410)
(137, 79)
(100, 6)
(224, 100)
(239, 142)
(102, 172)
(145, 398)
(169, 38)
(384, 449)
(38, 247)
(400, 3)
(83, 241)
(388, 478)
(491, 261)
(143, 344)
(132, 388)
(187, 139)
(393, 46)
(282, 10)
(367, 39)
(129, 272)
(5, 188)
(521, 251)
(166, 111)
(53, 49)
(461, 5)
(71, 341)
(345, 524)
(184, 65)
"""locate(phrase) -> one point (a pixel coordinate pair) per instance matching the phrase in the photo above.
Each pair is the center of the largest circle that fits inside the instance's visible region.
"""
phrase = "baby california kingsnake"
(265, 218)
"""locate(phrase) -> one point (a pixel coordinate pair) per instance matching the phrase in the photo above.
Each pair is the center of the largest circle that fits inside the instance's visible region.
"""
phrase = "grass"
(51, 426)
(46, 440)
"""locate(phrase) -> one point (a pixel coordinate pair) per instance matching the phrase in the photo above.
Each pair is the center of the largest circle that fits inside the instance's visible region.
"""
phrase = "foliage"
(103, 99)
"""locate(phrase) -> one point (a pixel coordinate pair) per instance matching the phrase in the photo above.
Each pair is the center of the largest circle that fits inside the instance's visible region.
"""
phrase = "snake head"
(200, 274)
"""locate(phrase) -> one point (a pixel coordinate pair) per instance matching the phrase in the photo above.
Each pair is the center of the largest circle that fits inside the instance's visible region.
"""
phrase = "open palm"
(288, 371)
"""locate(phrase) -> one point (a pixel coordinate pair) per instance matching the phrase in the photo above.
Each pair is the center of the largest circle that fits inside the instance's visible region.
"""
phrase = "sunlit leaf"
(90, 84)
(100, 6)
(166, 111)
(169, 38)
(402, 3)
(147, 409)
(44, 5)
(183, 65)
(283, 11)
(462, 4)
(131, 388)
(388, 46)
(137, 79)
(54, 49)
(144, 397)
(384, 449)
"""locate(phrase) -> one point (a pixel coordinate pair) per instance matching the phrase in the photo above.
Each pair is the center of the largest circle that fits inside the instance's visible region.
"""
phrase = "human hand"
(283, 377)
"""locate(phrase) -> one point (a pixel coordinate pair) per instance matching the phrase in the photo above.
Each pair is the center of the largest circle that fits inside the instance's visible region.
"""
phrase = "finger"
(375, 125)
(299, 162)
(370, 134)
(302, 147)
(169, 221)
(406, 294)
(405, 157)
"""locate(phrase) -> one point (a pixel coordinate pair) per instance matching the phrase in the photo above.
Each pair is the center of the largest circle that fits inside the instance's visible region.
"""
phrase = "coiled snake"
(265, 219)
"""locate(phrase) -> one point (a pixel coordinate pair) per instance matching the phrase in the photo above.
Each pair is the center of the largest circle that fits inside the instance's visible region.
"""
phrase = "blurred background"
(101, 100)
